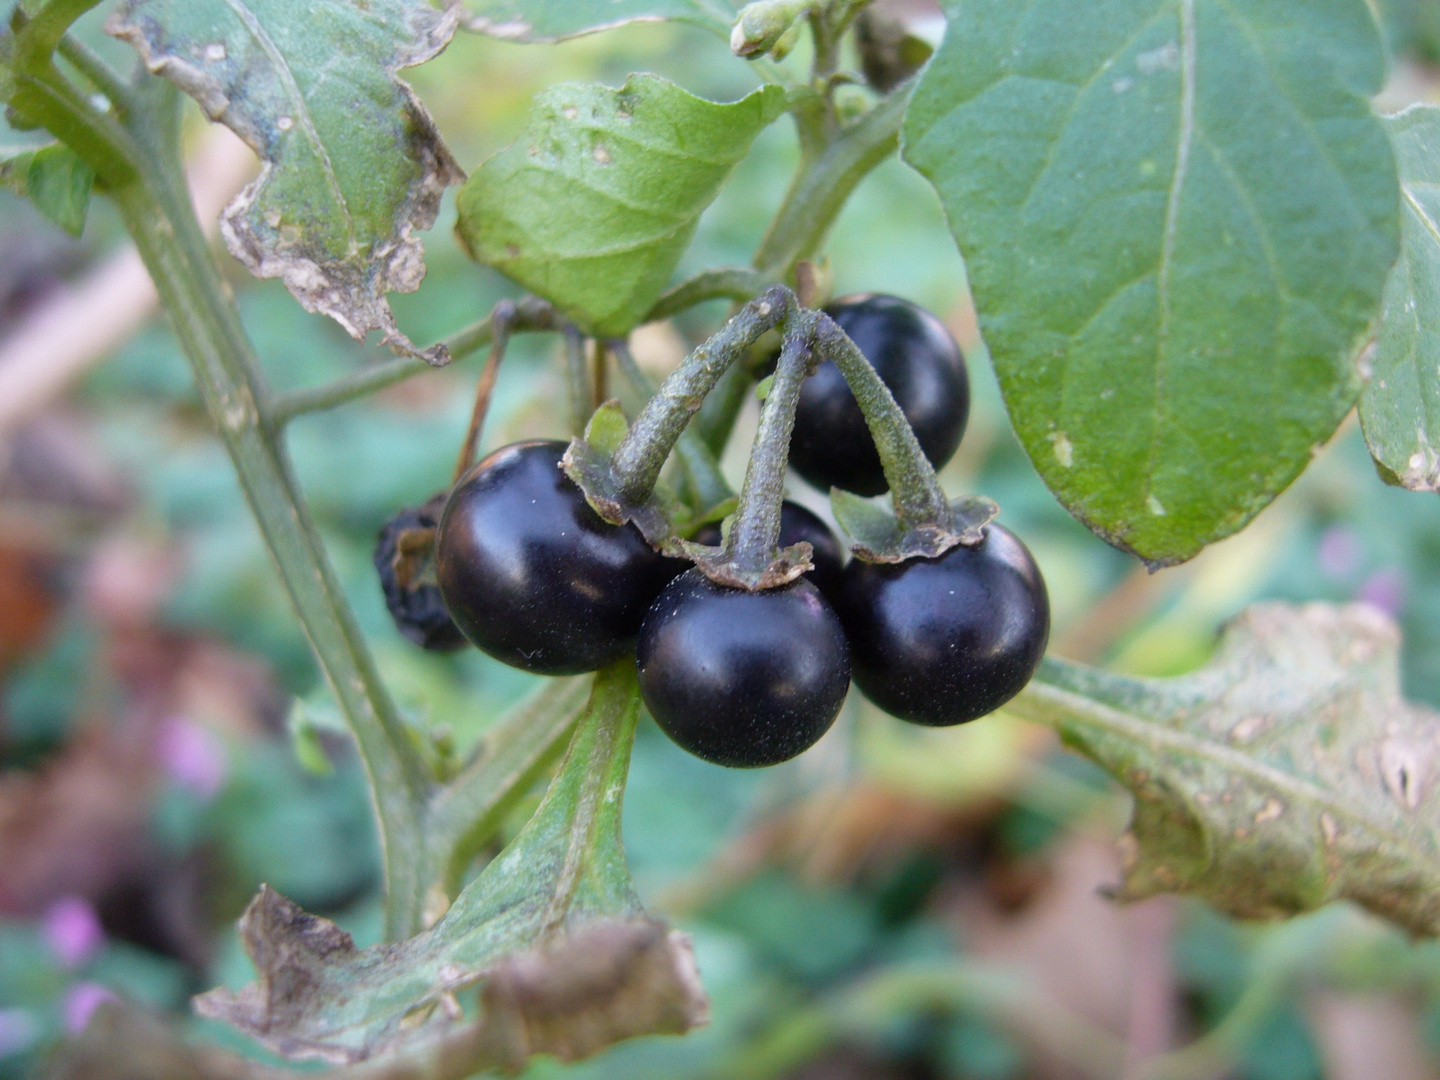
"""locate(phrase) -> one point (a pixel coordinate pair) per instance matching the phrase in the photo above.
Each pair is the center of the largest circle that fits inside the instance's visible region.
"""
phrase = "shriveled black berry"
(403, 552)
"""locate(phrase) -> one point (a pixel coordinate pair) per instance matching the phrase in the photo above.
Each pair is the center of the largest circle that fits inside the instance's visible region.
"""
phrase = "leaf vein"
(302, 108)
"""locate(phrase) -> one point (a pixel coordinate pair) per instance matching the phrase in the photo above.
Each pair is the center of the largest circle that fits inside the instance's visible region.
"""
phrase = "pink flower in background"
(1340, 552)
(1384, 589)
(81, 1001)
(73, 931)
(193, 756)
(18, 1031)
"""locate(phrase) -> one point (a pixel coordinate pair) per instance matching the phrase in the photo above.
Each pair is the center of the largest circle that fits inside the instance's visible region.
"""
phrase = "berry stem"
(599, 375)
(918, 497)
(577, 379)
(503, 316)
(642, 454)
(531, 314)
(755, 532)
(706, 483)
(736, 283)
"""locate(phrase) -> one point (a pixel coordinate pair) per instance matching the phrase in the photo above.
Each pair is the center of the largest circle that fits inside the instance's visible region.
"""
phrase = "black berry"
(532, 575)
(742, 678)
(942, 641)
(404, 548)
(915, 357)
(797, 524)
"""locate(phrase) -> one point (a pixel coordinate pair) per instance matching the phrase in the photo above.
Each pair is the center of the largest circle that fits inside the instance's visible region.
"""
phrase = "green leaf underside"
(1286, 773)
(1400, 408)
(53, 178)
(353, 164)
(320, 997)
(555, 20)
(1177, 218)
(594, 204)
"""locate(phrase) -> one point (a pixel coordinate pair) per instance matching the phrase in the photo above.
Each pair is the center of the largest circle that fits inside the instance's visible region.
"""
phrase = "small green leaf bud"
(761, 25)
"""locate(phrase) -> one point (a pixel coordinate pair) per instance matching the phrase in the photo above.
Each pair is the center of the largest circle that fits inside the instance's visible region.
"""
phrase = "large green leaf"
(555, 20)
(551, 932)
(1287, 773)
(353, 164)
(592, 207)
(1177, 217)
(1400, 409)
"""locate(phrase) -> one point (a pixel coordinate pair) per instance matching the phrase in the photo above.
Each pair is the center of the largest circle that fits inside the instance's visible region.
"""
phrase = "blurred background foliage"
(898, 903)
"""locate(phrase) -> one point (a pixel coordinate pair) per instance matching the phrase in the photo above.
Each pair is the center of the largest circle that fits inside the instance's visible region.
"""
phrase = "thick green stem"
(755, 532)
(640, 457)
(43, 97)
(99, 74)
(156, 211)
(914, 487)
(822, 186)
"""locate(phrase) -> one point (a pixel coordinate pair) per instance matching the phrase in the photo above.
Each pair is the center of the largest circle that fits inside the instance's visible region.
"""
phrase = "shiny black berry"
(532, 575)
(403, 551)
(942, 641)
(742, 678)
(797, 524)
(916, 357)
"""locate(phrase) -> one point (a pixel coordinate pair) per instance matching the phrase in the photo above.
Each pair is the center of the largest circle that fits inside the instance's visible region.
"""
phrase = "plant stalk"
(914, 487)
(755, 532)
(157, 213)
(530, 314)
(641, 455)
(822, 186)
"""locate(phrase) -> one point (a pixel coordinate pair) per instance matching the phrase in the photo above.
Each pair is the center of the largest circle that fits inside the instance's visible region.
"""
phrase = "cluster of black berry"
(535, 578)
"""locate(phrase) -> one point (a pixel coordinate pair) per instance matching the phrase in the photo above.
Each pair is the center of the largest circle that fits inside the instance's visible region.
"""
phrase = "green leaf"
(53, 178)
(1177, 217)
(353, 163)
(309, 720)
(607, 428)
(551, 930)
(1286, 773)
(555, 20)
(1400, 408)
(594, 205)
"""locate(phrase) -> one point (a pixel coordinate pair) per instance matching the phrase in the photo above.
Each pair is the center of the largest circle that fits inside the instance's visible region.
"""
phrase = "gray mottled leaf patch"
(1287, 773)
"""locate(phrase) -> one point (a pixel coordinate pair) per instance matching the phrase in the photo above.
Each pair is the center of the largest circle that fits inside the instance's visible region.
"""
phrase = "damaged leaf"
(1400, 409)
(1286, 773)
(594, 204)
(555, 20)
(353, 165)
(551, 932)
